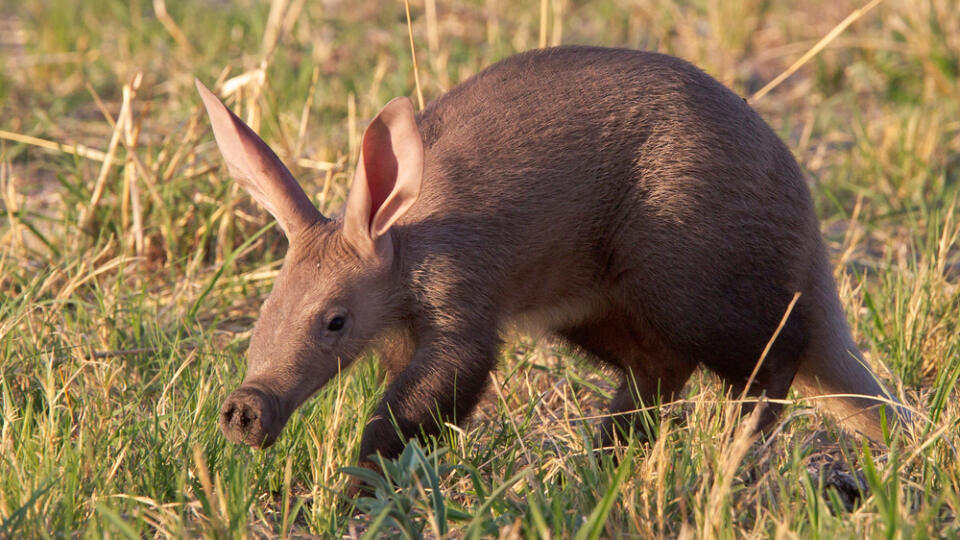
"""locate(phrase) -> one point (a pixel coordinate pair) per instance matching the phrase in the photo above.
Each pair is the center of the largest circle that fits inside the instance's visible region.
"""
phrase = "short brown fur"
(623, 200)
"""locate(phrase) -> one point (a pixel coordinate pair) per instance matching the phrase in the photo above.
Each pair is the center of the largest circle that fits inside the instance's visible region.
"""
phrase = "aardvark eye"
(336, 324)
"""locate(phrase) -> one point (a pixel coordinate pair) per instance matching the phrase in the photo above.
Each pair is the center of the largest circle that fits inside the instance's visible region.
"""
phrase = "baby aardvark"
(624, 200)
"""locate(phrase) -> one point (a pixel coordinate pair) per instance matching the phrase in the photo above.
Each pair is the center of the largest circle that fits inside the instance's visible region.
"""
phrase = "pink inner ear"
(388, 177)
(380, 164)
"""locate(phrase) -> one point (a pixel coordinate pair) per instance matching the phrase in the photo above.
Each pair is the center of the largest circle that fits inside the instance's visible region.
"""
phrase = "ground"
(132, 269)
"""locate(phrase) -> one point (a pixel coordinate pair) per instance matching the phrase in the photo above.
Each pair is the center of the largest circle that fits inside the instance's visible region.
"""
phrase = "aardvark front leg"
(442, 383)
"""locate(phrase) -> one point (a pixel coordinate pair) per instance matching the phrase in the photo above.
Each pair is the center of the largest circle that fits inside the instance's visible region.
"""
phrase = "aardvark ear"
(258, 169)
(387, 179)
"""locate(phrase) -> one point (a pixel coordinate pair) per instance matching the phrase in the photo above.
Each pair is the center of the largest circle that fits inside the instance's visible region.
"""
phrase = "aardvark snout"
(251, 416)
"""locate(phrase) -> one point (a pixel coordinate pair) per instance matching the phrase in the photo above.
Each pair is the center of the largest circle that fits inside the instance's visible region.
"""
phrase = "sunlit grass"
(125, 309)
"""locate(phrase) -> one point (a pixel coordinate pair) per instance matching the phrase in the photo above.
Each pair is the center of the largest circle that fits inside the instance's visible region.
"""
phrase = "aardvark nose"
(247, 417)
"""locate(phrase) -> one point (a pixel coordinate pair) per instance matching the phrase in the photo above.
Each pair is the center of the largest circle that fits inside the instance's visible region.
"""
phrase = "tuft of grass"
(132, 269)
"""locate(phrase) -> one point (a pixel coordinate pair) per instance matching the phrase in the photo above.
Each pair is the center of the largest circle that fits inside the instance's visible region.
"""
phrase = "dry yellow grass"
(131, 269)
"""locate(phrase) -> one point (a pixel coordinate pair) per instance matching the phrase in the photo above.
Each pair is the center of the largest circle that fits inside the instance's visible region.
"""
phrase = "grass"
(132, 268)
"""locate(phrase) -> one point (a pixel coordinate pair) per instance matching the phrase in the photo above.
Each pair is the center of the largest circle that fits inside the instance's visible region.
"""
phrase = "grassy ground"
(131, 269)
